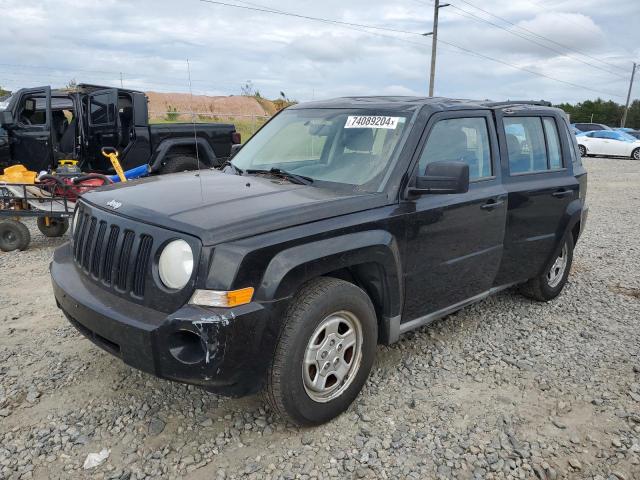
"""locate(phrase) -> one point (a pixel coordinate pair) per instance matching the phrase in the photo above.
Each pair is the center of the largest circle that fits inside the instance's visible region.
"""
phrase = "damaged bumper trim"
(225, 350)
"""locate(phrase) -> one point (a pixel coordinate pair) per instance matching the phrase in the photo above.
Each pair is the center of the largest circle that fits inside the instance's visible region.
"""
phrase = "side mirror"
(6, 118)
(443, 178)
(235, 148)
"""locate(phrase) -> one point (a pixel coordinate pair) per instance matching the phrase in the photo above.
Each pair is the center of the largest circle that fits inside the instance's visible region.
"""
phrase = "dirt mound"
(160, 104)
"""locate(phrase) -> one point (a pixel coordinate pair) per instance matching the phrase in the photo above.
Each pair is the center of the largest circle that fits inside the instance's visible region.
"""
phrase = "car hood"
(218, 207)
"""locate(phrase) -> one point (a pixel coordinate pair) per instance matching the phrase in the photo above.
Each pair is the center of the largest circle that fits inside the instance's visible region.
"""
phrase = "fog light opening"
(186, 347)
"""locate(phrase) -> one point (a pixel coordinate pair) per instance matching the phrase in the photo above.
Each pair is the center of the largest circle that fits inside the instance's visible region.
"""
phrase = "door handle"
(562, 193)
(491, 204)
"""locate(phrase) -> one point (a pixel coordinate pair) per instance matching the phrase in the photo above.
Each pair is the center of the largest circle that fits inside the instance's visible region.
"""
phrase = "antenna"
(195, 134)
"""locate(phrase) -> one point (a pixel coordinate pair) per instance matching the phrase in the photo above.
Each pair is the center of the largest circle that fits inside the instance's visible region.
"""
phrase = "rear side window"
(460, 139)
(533, 144)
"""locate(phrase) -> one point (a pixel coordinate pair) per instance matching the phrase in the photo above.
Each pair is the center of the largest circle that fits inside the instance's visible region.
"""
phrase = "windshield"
(4, 102)
(350, 147)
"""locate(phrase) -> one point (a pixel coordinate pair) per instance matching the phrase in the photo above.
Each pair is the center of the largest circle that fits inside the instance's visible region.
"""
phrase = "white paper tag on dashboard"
(366, 121)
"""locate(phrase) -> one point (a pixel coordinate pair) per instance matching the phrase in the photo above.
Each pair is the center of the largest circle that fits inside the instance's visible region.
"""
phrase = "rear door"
(454, 242)
(31, 131)
(103, 129)
(539, 179)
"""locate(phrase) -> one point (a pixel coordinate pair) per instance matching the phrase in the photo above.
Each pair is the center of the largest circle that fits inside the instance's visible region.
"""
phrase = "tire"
(548, 286)
(324, 315)
(56, 228)
(14, 235)
(583, 150)
(179, 163)
(635, 155)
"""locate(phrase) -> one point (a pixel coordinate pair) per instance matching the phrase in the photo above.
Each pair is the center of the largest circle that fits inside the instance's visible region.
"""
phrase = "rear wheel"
(636, 154)
(325, 351)
(583, 150)
(56, 226)
(14, 235)
(548, 286)
(179, 163)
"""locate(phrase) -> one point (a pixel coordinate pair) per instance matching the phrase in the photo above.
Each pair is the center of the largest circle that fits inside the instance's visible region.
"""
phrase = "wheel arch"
(369, 260)
(186, 145)
(570, 225)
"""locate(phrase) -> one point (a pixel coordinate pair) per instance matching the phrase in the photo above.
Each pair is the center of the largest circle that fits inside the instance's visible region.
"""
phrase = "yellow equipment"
(112, 154)
(18, 174)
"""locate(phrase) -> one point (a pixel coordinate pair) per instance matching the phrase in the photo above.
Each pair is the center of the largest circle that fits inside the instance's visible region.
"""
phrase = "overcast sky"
(50, 42)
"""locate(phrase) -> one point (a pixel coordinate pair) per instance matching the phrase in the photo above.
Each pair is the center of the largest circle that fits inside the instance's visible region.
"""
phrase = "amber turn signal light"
(220, 298)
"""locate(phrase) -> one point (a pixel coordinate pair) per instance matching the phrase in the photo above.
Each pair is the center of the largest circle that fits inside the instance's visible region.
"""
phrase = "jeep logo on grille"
(114, 204)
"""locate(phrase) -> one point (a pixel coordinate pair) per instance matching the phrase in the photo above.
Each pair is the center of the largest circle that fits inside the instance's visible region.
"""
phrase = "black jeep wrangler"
(40, 126)
(341, 224)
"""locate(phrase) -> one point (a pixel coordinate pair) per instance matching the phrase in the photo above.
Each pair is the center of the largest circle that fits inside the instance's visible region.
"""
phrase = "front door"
(454, 242)
(540, 184)
(31, 130)
(103, 129)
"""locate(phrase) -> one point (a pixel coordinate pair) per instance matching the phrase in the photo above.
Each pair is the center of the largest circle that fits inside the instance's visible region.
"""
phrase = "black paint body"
(418, 257)
(38, 147)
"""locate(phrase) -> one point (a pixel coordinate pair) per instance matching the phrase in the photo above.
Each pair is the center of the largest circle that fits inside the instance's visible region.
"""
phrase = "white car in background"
(610, 143)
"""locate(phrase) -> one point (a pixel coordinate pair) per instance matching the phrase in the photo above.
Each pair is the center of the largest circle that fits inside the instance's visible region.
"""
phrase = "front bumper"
(226, 351)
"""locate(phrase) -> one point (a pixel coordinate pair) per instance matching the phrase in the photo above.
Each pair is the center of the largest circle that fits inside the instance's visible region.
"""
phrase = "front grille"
(117, 253)
(117, 257)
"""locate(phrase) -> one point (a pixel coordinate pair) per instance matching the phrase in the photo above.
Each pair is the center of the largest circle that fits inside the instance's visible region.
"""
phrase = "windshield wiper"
(300, 179)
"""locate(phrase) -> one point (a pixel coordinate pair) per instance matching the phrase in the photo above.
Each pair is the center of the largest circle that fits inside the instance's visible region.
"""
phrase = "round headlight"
(176, 264)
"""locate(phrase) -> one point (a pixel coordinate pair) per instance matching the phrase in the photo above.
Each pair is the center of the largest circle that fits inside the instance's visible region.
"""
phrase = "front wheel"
(548, 286)
(583, 150)
(325, 351)
(635, 155)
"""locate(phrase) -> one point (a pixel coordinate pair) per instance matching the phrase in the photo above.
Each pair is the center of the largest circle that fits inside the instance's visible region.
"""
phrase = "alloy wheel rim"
(332, 357)
(556, 272)
(636, 154)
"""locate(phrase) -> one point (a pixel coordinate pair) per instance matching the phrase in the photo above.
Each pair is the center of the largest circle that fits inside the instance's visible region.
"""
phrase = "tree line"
(600, 111)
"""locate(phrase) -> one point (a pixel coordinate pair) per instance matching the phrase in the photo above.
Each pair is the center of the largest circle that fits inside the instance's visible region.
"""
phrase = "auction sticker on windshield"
(365, 121)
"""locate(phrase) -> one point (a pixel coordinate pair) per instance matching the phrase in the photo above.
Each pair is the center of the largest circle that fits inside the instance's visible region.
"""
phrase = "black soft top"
(402, 103)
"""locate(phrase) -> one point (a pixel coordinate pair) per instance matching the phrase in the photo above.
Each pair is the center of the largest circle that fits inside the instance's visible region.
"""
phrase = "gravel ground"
(507, 388)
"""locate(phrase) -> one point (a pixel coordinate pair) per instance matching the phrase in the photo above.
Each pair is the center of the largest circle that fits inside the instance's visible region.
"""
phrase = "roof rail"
(541, 103)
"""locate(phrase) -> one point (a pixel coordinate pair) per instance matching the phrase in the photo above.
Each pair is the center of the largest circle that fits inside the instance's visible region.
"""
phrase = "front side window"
(533, 144)
(102, 109)
(33, 110)
(460, 139)
(345, 147)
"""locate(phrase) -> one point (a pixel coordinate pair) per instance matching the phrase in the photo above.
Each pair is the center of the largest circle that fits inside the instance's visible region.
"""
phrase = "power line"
(468, 14)
(307, 17)
(571, 84)
(541, 36)
(546, 7)
(352, 26)
(261, 8)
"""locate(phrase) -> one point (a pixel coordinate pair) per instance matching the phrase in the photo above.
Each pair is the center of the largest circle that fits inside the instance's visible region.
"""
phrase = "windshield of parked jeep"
(351, 147)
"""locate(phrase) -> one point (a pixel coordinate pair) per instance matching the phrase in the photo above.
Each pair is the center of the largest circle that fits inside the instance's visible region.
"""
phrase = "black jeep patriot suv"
(339, 225)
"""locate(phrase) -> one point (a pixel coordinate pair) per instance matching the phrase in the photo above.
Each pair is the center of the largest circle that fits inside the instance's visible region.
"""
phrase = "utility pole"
(626, 108)
(434, 44)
